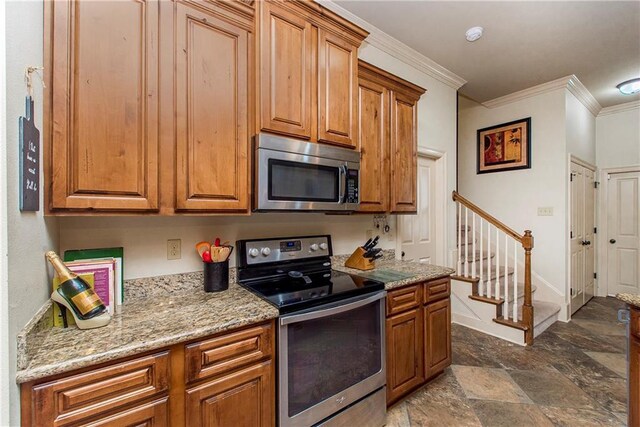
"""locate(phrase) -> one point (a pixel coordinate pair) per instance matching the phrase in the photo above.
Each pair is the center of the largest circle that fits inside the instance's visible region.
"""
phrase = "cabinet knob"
(612, 241)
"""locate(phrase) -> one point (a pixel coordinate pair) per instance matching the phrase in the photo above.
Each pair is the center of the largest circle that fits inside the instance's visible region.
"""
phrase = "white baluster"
(488, 282)
(473, 252)
(515, 281)
(505, 306)
(466, 240)
(459, 238)
(497, 282)
(480, 282)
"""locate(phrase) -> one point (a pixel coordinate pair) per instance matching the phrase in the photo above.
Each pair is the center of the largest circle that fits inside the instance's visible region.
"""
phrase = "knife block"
(358, 261)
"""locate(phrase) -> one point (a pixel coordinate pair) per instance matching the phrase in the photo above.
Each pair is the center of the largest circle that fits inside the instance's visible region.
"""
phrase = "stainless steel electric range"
(331, 354)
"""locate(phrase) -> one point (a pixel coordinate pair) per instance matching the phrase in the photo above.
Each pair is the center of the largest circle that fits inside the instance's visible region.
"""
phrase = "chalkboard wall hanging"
(29, 160)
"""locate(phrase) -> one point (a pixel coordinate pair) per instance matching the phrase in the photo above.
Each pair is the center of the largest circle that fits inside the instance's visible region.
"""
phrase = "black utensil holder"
(216, 276)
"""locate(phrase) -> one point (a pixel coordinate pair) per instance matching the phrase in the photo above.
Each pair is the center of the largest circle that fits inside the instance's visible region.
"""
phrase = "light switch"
(547, 211)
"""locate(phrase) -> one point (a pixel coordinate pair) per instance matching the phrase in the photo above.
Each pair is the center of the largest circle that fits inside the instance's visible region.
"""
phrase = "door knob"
(612, 241)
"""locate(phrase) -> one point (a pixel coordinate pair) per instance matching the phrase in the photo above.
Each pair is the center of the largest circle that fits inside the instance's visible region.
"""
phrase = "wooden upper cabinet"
(337, 90)
(286, 67)
(212, 117)
(387, 130)
(404, 154)
(373, 136)
(102, 110)
(307, 66)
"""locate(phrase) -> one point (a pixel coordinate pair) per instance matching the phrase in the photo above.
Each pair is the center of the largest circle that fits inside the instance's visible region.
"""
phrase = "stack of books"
(102, 269)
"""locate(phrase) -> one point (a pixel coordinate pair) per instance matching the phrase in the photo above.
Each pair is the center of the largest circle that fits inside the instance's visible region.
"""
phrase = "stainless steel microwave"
(294, 175)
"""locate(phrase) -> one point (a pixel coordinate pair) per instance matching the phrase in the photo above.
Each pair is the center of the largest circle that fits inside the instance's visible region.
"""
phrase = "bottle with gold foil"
(75, 295)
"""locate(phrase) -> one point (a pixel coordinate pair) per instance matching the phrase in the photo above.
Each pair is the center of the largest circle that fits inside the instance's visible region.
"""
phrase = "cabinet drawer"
(215, 356)
(73, 398)
(151, 414)
(436, 290)
(403, 299)
(635, 322)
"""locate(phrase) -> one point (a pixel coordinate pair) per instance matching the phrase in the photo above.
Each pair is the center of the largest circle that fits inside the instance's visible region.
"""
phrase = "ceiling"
(525, 43)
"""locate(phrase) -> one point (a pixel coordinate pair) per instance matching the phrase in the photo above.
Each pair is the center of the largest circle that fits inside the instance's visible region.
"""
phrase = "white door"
(623, 255)
(576, 236)
(417, 232)
(589, 234)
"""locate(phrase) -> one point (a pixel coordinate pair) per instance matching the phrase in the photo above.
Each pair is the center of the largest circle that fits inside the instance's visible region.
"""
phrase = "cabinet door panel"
(104, 141)
(437, 339)
(405, 353)
(286, 67)
(373, 137)
(212, 113)
(243, 398)
(404, 154)
(337, 90)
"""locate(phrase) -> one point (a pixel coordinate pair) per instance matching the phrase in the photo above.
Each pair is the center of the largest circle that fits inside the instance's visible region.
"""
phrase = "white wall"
(145, 238)
(29, 234)
(581, 130)
(513, 197)
(618, 139)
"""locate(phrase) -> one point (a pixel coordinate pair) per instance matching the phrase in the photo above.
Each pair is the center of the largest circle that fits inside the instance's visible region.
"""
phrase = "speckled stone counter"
(631, 299)
(158, 312)
(410, 272)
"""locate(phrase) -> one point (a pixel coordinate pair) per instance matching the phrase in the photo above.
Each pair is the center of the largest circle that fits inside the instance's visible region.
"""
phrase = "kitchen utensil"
(367, 244)
(201, 247)
(373, 244)
(216, 242)
(372, 252)
(376, 257)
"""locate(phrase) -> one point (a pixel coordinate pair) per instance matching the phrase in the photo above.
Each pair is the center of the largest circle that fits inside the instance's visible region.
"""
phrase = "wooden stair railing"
(488, 287)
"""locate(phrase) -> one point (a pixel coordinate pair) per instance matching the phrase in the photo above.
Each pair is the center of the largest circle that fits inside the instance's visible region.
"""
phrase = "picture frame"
(504, 147)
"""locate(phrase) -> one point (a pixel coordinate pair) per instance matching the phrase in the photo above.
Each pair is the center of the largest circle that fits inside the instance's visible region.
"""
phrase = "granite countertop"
(393, 272)
(166, 310)
(631, 299)
(160, 312)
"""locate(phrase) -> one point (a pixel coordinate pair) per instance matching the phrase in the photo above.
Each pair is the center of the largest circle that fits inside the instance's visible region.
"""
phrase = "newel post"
(527, 308)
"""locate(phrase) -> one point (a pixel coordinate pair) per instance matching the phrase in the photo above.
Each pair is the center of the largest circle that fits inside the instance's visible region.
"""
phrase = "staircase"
(492, 290)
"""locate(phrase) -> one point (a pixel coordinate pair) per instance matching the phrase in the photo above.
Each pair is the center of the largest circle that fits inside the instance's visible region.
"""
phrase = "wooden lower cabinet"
(437, 337)
(418, 336)
(162, 388)
(242, 398)
(405, 353)
(634, 368)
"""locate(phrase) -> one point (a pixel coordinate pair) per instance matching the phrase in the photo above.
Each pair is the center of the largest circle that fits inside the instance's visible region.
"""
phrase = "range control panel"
(285, 249)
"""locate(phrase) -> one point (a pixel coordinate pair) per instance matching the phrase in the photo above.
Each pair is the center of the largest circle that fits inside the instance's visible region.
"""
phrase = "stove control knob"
(323, 246)
(314, 247)
(253, 252)
(265, 251)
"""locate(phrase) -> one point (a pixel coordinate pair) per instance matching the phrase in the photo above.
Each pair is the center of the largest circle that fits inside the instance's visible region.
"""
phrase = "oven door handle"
(316, 314)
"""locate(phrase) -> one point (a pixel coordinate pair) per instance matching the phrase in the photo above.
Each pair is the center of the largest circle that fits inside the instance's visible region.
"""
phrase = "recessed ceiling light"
(474, 33)
(629, 87)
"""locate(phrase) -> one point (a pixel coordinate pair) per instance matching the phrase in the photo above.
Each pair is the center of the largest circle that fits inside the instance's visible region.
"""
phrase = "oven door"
(299, 181)
(329, 358)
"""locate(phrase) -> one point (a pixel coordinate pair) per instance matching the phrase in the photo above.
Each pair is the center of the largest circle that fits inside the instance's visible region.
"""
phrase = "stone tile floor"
(573, 375)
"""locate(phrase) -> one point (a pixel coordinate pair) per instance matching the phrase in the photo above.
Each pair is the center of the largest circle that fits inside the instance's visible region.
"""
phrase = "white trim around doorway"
(441, 203)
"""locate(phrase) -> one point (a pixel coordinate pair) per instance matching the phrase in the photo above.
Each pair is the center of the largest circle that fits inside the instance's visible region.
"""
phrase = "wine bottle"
(79, 296)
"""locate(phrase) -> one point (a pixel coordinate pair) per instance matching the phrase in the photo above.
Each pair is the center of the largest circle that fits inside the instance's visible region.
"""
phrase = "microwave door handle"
(343, 184)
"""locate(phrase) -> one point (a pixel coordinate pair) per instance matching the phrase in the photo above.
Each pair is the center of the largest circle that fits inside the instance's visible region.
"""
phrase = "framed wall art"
(505, 147)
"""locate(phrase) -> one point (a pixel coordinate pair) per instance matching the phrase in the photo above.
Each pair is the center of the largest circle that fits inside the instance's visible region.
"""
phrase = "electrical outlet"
(173, 249)
(548, 211)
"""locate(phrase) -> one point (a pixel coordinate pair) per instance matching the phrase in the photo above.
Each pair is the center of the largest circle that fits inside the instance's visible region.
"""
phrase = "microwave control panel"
(352, 195)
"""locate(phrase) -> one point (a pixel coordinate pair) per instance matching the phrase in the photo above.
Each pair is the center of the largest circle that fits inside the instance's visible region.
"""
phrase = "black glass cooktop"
(294, 290)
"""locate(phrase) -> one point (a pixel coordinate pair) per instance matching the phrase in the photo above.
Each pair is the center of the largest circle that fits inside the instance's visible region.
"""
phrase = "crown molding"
(571, 83)
(394, 47)
(619, 108)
